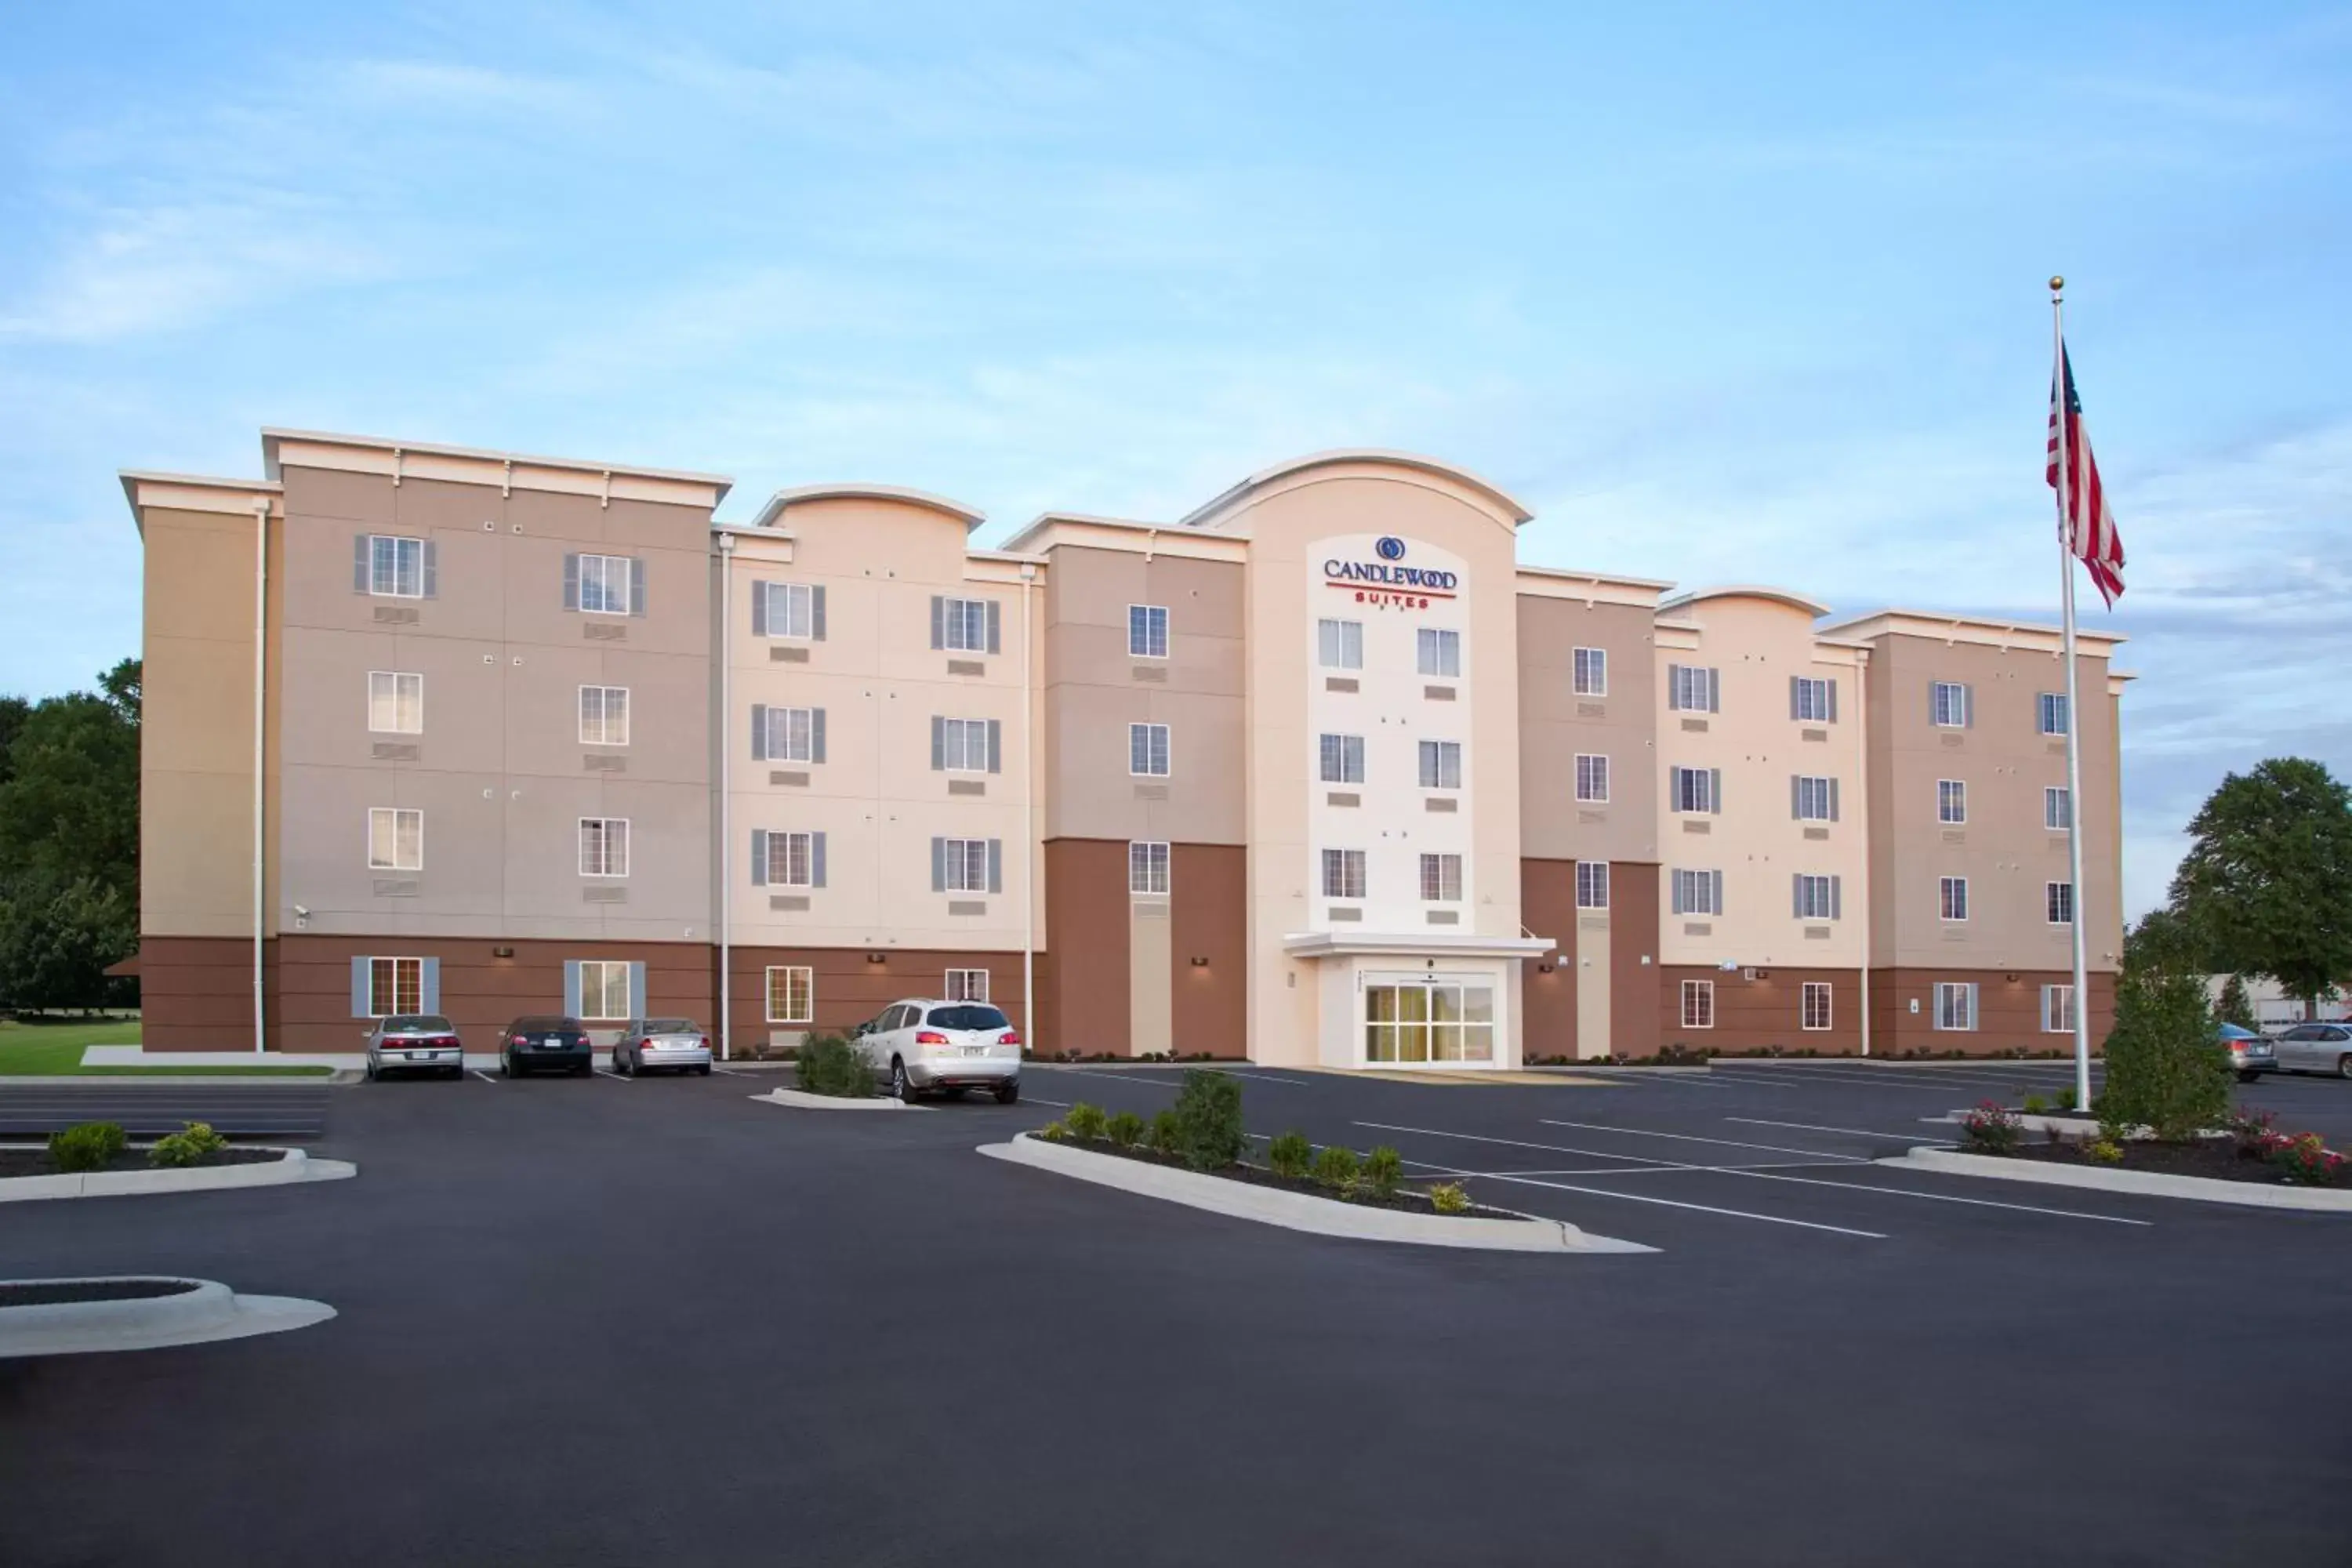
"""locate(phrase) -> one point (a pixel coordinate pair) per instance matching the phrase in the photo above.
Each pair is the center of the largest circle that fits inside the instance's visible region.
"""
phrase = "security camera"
(301, 913)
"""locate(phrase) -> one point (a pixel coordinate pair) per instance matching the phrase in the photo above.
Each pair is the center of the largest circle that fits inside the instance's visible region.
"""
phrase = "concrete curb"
(1301, 1211)
(173, 1080)
(298, 1166)
(210, 1312)
(803, 1101)
(2152, 1184)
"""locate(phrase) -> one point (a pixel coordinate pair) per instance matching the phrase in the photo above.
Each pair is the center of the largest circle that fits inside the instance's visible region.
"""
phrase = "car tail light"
(517, 1040)
(929, 1038)
(1010, 1038)
(704, 1042)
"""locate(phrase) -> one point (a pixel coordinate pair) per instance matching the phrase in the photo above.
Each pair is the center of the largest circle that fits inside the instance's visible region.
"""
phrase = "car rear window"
(416, 1023)
(967, 1017)
(671, 1027)
(537, 1025)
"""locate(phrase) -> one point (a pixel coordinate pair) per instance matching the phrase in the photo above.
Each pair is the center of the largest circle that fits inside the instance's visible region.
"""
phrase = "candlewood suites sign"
(1387, 581)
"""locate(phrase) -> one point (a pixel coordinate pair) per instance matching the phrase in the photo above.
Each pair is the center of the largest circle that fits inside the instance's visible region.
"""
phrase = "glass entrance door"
(1441, 1019)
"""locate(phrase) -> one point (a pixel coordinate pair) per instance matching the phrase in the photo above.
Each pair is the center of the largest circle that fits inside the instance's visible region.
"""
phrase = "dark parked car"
(532, 1044)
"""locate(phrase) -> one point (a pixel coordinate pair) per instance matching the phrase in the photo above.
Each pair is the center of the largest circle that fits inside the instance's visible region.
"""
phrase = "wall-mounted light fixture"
(1199, 963)
(877, 958)
(2011, 978)
(502, 953)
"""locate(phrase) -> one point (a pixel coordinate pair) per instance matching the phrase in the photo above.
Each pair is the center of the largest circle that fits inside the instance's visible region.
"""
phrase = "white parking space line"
(616, 1078)
(1691, 1138)
(733, 1072)
(1269, 1077)
(1641, 1074)
(1654, 1170)
(1115, 1077)
(1661, 1203)
(1856, 1132)
(1721, 1079)
(483, 1076)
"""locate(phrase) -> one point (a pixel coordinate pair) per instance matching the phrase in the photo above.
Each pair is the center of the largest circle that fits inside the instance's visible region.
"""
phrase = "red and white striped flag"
(2090, 533)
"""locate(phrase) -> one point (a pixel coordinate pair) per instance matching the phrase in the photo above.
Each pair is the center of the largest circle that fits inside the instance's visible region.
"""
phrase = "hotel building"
(1319, 774)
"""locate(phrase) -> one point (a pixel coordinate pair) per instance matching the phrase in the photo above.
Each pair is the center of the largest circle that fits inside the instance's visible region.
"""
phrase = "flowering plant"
(1991, 1128)
(2306, 1160)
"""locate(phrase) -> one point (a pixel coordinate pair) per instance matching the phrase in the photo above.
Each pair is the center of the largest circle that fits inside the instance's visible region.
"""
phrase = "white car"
(2324, 1046)
(924, 1045)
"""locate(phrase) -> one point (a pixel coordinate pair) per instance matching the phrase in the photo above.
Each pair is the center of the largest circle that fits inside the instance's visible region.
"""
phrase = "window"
(791, 611)
(1693, 789)
(792, 993)
(1147, 867)
(1146, 631)
(604, 584)
(603, 991)
(792, 859)
(966, 985)
(1812, 701)
(396, 839)
(1440, 652)
(963, 624)
(1699, 892)
(2057, 1009)
(789, 734)
(395, 702)
(1441, 764)
(1343, 873)
(963, 746)
(603, 845)
(1948, 704)
(1339, 645)
(2050, 709)
(2058, 903)
(1953, 898)
(1951, 802)
(1591, 672)
(1813, 1005)
(1818, 898)
(1956, 1004)
(1147, 751)
(1592, 884)
(964, 865)
(1434, 1021)
(1343, 759)
(395, 566)
(396, 985)
(603, 715)
(2057, 808)
(1698, 1003)
(1592, 778)
(1692, 688)
(1441, 878)
(1815, 799)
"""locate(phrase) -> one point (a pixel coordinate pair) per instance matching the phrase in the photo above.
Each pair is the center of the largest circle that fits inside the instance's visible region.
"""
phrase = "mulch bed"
(36, 1161)
(70, 1292)
(1410, 1200)
(2216, 1159)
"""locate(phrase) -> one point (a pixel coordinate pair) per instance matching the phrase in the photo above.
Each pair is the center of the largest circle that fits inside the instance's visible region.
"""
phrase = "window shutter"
(1674, 686)
(995, 746)
(1797, 895)
(939, 738)
(817, 860)
(571, 988)
(1675, 878)
(428, 990)
(992, 644)
(759, 609)
(1933, 717)
(1796, 795)
(431, 584)
(1967, 707)
(996, 865)
(816, 615)
(1833, 797)
(636, 585)
(938, 621)
(571, 581)
(938, 865)
(636, 990)
(1837, 898)
(1713, 689)
(1832, 686)
(1714, 791)
(1715, 890)
(359, 563)
(1795, 681)
(758, 857)
(759, 731)
(816, 735)
(360, 965)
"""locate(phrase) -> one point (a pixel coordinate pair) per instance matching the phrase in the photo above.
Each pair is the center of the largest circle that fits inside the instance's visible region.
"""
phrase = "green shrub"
(1337, 1167)
(1290, 1155)
(91, 1146)
(1383, 1169)
(1167, 1134)
(1209, 1119)
(1054, 1132)
(830, 1065)
(2104, 1152)
(1126, 1130)
(1086, 1122)
(2036, 1106)
(191, 1145)
(1449, 1197)
(2165, 1069)
(2067, 1099)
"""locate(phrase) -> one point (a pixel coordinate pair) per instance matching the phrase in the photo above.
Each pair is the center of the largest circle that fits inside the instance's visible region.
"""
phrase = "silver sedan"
(414, 1042)
(661, 1044)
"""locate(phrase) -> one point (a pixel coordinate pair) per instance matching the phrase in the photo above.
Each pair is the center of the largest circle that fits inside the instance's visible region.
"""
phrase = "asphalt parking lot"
(603, 1322)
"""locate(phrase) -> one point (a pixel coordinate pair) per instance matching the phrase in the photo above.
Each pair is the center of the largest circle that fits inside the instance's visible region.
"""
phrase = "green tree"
(2162, 941)
(2267, 882)
(2166, 1068)
(2236, 1007)
(69, 843)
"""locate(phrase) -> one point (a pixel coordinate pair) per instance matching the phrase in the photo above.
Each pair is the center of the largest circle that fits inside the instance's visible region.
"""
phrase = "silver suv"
(925, 1044)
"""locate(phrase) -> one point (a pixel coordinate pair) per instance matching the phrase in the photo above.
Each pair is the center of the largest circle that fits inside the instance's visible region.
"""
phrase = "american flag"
(2090, 533)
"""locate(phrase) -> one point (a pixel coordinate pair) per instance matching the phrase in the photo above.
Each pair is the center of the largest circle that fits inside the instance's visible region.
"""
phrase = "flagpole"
(2061, 403)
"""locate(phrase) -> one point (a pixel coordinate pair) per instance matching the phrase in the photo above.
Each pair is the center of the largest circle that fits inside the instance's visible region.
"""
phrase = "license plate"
(550, 1044)
(975, 1050)
(419, 1056)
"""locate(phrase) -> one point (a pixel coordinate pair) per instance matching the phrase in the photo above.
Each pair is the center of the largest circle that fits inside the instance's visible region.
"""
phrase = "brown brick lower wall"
(847, 987)
(1763, 1013)
(1548, 995)
(2008, 1011)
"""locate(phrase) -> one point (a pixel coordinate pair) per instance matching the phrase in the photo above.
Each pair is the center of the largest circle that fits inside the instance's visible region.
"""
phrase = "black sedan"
(531, 1045)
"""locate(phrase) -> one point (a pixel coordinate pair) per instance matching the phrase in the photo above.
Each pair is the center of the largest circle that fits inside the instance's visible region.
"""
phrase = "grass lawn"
(49, 1050)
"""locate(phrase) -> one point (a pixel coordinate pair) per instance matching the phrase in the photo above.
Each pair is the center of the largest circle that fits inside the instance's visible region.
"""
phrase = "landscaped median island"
(834, 1075)
(1192, 1153)
(96, 1159)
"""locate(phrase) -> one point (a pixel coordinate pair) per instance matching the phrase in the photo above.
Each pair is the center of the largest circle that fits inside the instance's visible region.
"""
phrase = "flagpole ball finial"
(2056, 283)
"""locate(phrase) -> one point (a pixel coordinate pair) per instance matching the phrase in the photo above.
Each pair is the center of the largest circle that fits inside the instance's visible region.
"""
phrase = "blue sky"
(1724, 294)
